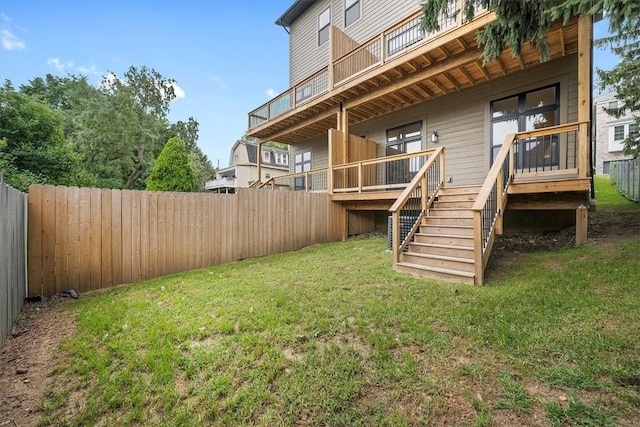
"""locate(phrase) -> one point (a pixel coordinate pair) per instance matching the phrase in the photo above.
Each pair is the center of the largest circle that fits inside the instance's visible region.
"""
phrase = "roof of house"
(295, 10)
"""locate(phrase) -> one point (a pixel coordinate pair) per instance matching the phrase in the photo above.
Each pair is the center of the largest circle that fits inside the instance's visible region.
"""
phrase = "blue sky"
(227, 56)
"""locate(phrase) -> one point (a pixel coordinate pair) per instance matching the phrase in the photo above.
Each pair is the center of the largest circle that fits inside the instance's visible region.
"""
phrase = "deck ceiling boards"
(457, 64)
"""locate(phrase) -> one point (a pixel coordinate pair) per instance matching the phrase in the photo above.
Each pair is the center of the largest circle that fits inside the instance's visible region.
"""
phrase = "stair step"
(453, 230)
(465, 204)
(444, 239)
(461, 213)
(472, 189)
(439, 261)
(439, 249)
(445, 274)
(449, 220)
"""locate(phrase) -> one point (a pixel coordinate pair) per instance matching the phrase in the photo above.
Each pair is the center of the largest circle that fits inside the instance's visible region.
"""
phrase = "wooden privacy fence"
(13, 256)
(87, 238)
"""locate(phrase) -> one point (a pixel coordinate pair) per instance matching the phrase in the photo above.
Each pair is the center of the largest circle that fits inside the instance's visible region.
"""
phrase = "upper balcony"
(400, 67)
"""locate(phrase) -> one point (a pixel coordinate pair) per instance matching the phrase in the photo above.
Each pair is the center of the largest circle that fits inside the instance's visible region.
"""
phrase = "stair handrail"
(488, 209)
(421, 178)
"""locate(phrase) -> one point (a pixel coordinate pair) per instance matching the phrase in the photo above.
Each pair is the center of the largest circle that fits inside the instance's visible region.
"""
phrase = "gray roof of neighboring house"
(252, 152)
(295, 10)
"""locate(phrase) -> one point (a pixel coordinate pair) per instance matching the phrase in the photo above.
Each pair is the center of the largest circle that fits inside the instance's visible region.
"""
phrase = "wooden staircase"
(443, 248)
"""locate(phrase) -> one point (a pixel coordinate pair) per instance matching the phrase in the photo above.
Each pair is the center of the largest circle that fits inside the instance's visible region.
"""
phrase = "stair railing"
(414, 202)
(489, 206)
(513, 160)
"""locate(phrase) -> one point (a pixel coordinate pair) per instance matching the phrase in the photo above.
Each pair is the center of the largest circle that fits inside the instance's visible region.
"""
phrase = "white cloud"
(92, 70)
(219, 82)
(178, 91)
(271, 93)
(60, 66)
(8, 39)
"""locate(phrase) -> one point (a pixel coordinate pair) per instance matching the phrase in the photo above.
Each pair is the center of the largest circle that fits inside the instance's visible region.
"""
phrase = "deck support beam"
(582, 219)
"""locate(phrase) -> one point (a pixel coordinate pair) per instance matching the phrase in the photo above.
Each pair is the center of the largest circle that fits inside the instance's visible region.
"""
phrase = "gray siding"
(319, 152)
(376, 15)
(462, 119)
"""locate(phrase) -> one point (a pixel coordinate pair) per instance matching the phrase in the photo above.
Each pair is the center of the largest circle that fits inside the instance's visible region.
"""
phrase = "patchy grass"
(330, 335)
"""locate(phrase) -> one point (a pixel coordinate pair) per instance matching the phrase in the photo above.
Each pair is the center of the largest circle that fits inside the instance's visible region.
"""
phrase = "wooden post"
(499, 200)
(582, 217)
(395, 238)
(359, 177)
(331, 143)
(585, 25)
(345, 224)
(478, 256)
(259, 162)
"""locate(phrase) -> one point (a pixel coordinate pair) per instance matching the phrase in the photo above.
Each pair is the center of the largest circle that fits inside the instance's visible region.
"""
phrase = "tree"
(33, 148)
(172, 170)
(521, 21)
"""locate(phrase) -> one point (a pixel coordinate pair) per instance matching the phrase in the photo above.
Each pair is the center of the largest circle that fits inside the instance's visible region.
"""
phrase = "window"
(618, 133)
(324, 22)
(612, 104)
(267, 175)
(531, 110)
(282, 159)
(301, 163)
(401, 140)
(266, 156)
(351, 11)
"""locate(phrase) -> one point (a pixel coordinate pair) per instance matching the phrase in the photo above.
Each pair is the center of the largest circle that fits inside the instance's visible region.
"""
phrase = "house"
(611, 133)
(243, 167)
(393, 122)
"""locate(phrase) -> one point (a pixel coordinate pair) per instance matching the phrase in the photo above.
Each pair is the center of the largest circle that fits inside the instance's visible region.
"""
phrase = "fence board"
(73, 237)
(87, 239)
(13, 262)
(106, 249)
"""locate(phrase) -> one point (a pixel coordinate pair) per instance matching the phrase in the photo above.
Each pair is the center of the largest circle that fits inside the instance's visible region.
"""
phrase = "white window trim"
(326, 25)
(266, 156)
(347, 5)
(618, 145)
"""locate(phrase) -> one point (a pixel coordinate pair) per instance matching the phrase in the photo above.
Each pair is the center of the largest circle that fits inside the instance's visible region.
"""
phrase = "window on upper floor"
(324, 22)
(612, 104)
(282, 159)
(619, 132)
(351, 11)
(266, 156)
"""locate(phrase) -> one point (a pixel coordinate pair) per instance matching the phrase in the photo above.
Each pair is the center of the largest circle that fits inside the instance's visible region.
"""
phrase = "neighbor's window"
(618, 133)
(612, 104)
(351, 11)
(324, 21)
(282, 159)
(266, 156)
(633, 130)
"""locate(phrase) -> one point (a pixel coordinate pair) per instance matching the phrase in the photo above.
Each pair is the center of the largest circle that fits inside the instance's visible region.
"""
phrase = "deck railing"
(310, 181)
(552, 151)
(374, 52)
(414, 202)
(379, 174)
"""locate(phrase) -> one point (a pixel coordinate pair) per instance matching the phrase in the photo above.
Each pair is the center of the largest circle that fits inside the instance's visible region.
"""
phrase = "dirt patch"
(27, 358)
(605, 228)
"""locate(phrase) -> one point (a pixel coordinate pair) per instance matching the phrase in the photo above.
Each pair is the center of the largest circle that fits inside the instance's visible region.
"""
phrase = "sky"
(227, 56)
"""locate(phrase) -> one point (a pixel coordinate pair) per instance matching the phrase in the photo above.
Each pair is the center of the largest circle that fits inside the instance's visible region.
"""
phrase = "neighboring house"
(611, 133)
(243, 167)
(394, 122)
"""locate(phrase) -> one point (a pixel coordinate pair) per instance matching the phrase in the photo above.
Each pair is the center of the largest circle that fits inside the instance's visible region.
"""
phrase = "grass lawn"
(330, 335)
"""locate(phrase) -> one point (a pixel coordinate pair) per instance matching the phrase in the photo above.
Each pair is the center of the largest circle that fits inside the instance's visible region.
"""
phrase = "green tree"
(33, 147)
(521, 21)
(172, 170)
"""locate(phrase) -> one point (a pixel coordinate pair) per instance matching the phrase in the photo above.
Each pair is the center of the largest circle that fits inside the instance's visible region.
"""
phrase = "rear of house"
(373, 98)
